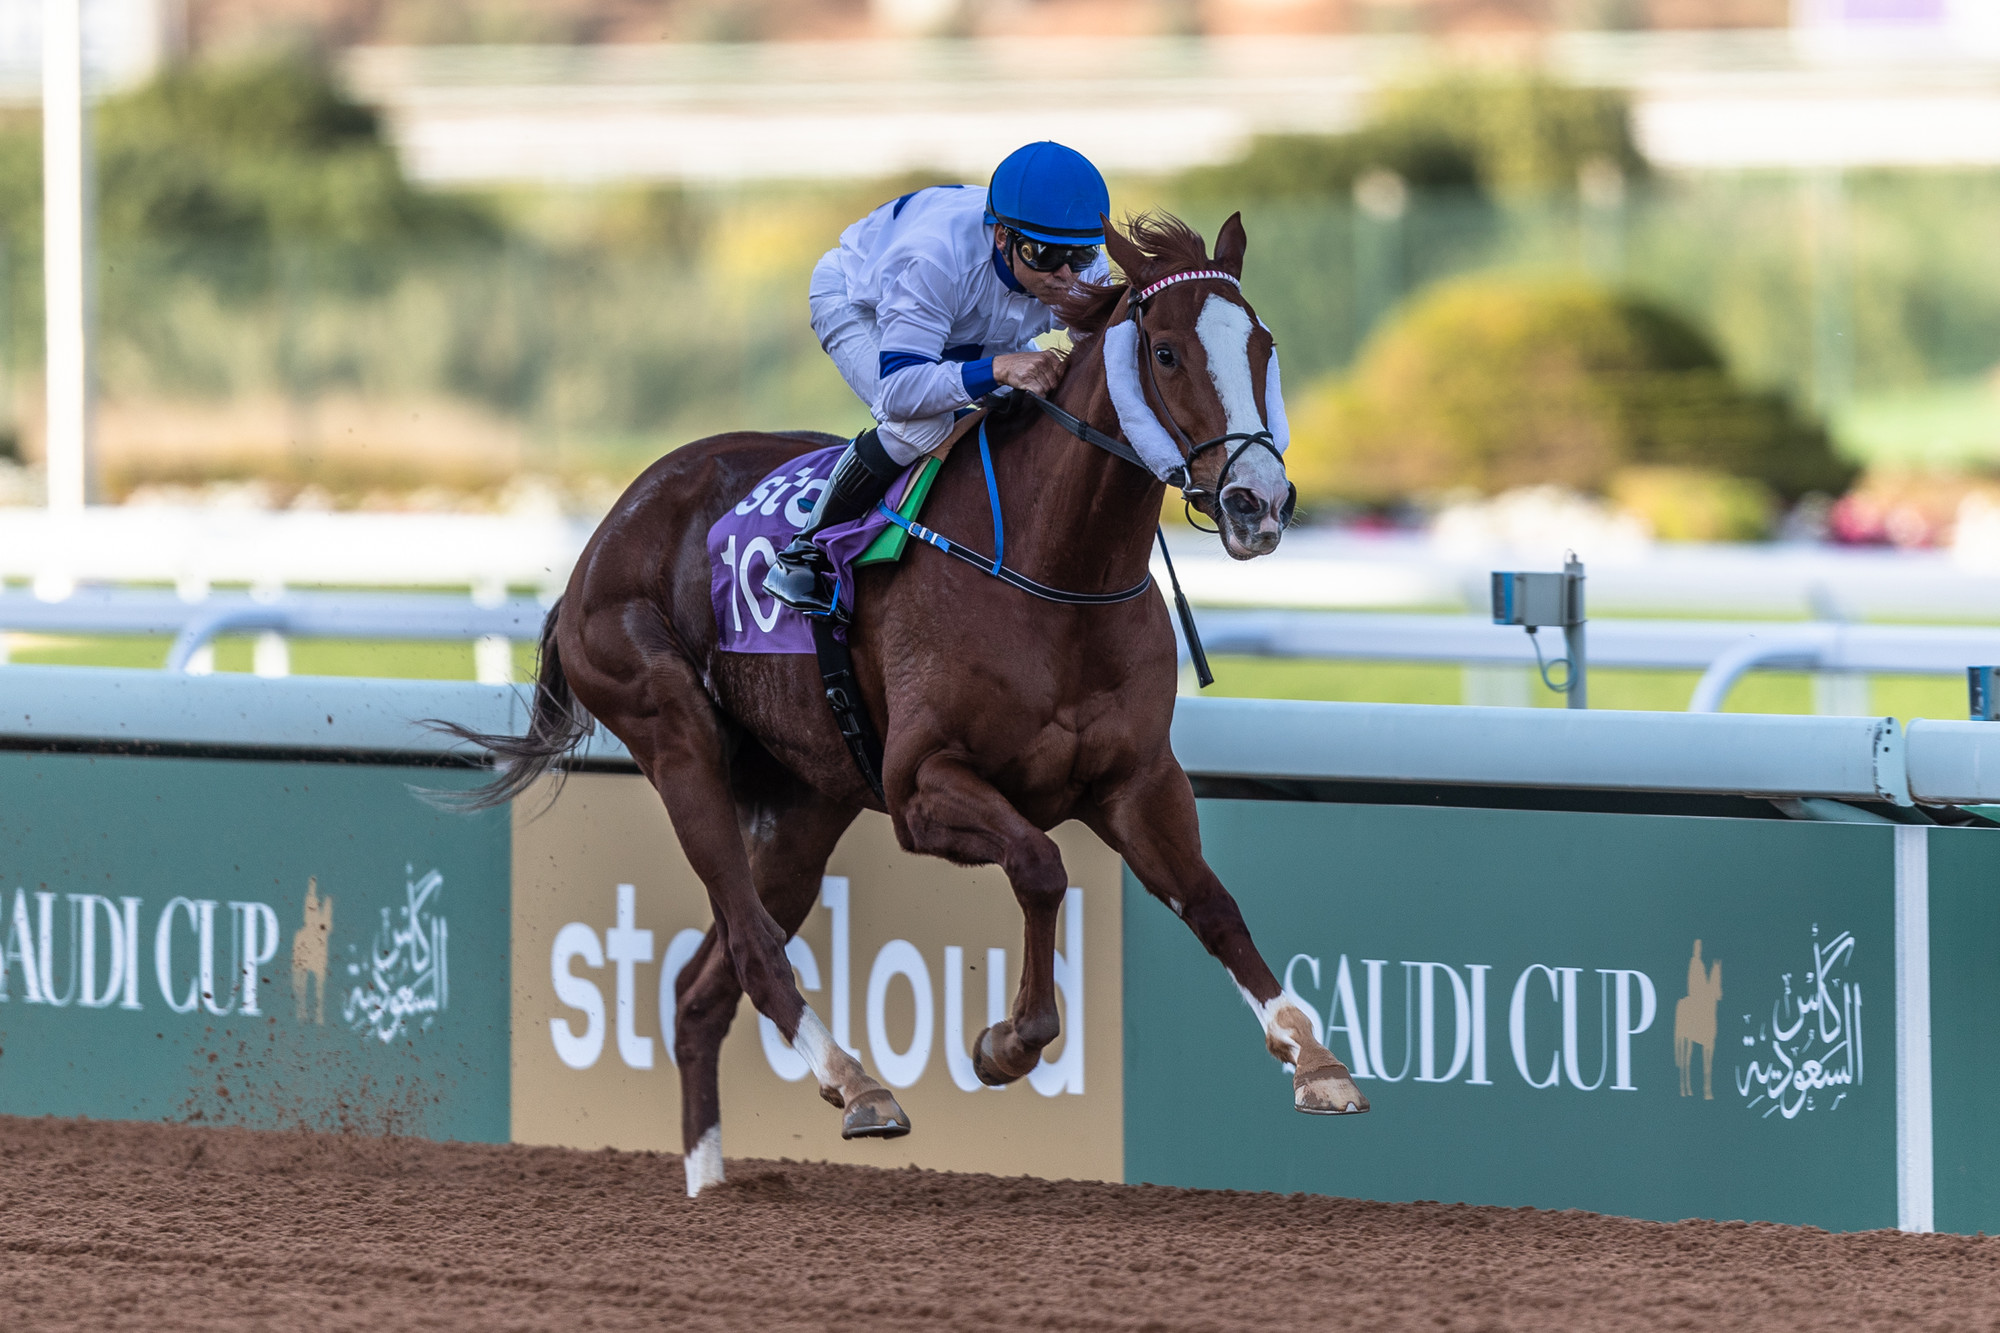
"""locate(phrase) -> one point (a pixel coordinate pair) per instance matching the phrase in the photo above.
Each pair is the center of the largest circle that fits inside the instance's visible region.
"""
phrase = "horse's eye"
(1165, 356)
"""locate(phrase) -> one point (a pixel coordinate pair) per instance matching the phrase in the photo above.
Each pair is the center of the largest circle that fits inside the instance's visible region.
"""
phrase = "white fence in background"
(195, 549)
(1723, 650)
(1839, 759)
(1332, 569)
(492, 626)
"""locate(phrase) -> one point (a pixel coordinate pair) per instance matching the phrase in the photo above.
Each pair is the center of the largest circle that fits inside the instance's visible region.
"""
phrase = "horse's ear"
(1229, 244)
(1129, 258)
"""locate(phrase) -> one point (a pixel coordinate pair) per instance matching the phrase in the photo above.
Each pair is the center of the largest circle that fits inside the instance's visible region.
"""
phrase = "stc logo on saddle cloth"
(211, 958)
(898, 1058)
(1802, 1053)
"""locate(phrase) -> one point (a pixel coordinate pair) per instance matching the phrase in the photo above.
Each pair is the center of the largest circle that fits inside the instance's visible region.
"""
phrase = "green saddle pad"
(887, 548)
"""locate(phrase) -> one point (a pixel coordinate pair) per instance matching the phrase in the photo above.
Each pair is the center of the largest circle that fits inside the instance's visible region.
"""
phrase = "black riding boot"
(800, 576)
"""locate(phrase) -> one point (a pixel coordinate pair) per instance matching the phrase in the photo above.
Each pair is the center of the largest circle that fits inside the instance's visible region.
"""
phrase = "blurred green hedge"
(1487, 383)
(241, 155)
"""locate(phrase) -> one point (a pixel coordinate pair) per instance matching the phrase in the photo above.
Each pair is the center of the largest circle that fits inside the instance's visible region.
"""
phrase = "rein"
(1180, 477)
(992, 564)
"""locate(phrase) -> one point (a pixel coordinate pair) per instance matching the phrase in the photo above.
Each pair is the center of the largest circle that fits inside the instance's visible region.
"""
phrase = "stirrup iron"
(799, 575)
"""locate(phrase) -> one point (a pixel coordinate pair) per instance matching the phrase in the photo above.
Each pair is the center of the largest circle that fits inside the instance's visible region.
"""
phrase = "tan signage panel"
(898, 958)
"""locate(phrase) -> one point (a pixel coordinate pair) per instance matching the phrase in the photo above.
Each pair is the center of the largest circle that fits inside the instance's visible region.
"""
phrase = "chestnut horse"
(1001, 715)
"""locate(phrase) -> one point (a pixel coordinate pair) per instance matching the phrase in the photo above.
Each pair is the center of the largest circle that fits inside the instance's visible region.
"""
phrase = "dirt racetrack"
(160, 1227)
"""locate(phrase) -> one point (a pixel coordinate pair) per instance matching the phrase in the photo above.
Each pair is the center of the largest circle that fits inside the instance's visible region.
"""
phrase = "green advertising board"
(269, 944)
(1963, 876)
(1658, 1016)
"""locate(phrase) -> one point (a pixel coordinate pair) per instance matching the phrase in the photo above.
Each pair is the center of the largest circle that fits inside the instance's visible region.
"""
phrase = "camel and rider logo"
(1694, 1024)
(309, 945)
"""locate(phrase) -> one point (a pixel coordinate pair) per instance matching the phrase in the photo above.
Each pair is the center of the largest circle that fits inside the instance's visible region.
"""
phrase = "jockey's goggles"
(1048, 256)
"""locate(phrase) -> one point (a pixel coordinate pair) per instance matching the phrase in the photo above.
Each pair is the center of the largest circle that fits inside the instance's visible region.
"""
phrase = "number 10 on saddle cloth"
(748, 536)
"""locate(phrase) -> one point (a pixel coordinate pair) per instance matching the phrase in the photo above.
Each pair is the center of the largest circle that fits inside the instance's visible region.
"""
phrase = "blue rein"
(994, 565)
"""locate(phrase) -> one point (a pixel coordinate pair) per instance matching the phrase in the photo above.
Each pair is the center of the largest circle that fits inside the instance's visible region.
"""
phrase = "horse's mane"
(1164, 239)
(1166, 242)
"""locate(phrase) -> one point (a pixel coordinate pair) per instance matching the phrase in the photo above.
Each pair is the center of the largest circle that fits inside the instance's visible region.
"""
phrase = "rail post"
(1535, 600)
(1576, 687)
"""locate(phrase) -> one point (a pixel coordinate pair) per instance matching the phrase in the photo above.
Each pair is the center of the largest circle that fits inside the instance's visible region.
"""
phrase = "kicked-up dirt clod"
(157, 1227)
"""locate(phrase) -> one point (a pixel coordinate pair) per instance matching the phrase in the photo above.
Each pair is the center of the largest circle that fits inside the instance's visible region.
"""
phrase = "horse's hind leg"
(788, 853)
(1151, 823)
(679, 740)
(705, 998)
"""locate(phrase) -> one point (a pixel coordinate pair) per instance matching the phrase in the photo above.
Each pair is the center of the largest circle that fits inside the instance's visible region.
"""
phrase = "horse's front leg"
(1150, 822)
(956, 814)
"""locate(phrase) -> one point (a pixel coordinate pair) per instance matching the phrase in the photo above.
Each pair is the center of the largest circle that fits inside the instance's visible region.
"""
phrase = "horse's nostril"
(1243, 503)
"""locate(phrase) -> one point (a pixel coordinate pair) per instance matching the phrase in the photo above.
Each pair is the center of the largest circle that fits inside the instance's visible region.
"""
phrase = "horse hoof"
(1327, 1090)
(986, 1064)
(874, 1115)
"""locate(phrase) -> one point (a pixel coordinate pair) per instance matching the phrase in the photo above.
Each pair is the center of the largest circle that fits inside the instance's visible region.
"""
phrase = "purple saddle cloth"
(748, 536)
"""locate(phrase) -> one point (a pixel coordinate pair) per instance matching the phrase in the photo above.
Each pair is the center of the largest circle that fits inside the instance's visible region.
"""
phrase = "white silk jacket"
(923, 266)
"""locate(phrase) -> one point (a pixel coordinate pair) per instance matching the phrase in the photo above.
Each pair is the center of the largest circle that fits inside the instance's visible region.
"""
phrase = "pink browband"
(1191, 275)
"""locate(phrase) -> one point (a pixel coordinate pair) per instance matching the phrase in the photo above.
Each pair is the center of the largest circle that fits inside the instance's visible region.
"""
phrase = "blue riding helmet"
(1050, 193)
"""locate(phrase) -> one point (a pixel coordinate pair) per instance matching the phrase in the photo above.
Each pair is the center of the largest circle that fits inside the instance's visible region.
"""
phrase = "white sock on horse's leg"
(704, 1161)
(830, 1065)
(1286, 1026)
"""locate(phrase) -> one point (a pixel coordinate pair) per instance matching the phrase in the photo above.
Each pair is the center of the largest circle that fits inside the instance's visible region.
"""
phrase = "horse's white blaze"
(704, 1163)
(1224, 329)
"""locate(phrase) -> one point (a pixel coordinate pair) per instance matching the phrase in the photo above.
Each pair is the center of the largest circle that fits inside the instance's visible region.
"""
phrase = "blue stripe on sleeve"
(963, 352)
(891, 362)
(979, 379)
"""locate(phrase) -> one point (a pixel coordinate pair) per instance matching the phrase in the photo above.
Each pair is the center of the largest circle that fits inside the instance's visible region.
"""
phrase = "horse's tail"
(557, 724)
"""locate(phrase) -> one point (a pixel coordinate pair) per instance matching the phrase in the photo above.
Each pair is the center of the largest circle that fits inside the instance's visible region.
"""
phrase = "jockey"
(931, 302)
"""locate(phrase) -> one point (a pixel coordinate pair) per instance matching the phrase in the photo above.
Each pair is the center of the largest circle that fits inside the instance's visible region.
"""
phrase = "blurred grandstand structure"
(1807, 97)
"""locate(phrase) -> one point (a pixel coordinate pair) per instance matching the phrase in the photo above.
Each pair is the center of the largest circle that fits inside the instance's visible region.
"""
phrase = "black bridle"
(1190, 451)
(1182, 476)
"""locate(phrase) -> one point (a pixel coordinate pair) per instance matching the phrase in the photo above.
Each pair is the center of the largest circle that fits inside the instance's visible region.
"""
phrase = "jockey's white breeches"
(849, 335)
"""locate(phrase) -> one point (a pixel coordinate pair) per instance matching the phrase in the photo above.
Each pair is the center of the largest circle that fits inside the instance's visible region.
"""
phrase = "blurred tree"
(260, 152)
(241, 156)
(1497, 135)
(1488, 383)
